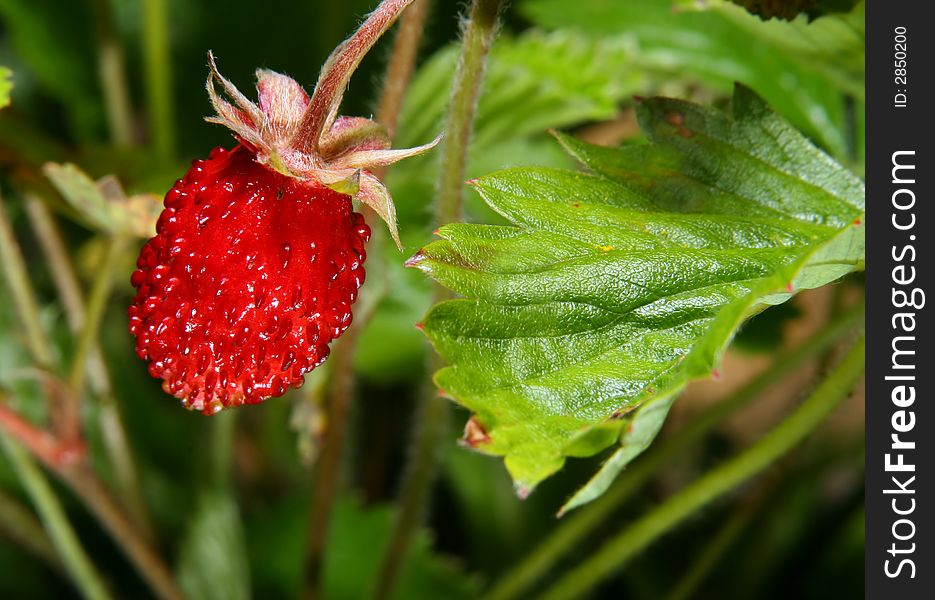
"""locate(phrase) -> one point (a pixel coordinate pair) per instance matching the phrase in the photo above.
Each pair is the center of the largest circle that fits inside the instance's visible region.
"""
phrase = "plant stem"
(577, 526)
(328, 466)
(401, 65)
(109, 419)
(66, 542)
(337, 70)
(118, 525)
(223, 430)
(27, 307)
(86, 485)
(97, 305)
(19, 524)
(40, 443)
(480, 31)
(158, 65)
(111, 65)
(341, 385)
(421, 469)
(723, 540)
(433, 412)
(616, 552)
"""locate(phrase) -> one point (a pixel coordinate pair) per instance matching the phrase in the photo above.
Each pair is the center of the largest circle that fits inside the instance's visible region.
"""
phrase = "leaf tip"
(415, 260)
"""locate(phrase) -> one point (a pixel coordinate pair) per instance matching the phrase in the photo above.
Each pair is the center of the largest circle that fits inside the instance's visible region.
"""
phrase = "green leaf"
(611, 291)
(572, 79)
(6, 86)
(800, 69)
(213, 559)
(103, 204)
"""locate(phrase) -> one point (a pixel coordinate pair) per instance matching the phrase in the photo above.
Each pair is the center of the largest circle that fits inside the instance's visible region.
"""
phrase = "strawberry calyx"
(302, 136)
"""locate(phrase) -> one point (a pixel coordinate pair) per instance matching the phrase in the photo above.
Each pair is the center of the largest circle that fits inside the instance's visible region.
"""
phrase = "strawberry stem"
(400, 68)
(337, 71)
(340, 394)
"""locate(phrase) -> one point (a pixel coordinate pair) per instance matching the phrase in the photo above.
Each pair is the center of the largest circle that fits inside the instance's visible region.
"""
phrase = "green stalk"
(27, 307)
(109, 419)
(97, 305)
(341, 381)
(328, 467)
(616, 552)
(433, 412)
(481, 29)
(223, 429)
(111, 65)
(574, 528)
(82, 481)
(714, 550)
(157, 61)
(20, 525)
(63, 537)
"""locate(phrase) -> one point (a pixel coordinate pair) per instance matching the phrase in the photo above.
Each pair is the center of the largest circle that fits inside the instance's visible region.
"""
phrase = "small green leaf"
(103, 204)
(6, 86)
(213, 560)
(611, 291)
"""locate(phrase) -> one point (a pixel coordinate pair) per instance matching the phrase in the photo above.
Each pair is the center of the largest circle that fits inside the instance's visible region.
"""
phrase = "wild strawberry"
(258, 254)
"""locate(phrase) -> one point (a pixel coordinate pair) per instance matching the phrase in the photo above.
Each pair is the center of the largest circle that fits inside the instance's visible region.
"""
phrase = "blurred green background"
(228, 496)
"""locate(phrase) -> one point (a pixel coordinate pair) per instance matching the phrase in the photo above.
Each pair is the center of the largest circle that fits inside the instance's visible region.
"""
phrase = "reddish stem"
(39, 442)
(326, 99)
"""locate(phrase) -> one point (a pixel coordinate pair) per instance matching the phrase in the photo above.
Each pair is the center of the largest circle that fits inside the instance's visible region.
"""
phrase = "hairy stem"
(109, 419)
(157, 61)
(433, 412)
(401, 65)
(480, 31)
(335, 74)
(341, 385)
(616, 552)
(55, 521)
(328, 467)
(574, 528)
(111, 65)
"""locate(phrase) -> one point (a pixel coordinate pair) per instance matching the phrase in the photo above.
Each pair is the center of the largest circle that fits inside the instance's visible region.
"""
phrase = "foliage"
(604, 279)
(612, 291)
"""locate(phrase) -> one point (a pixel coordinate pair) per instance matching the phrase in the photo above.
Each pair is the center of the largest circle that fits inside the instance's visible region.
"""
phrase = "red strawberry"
(258, 254)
